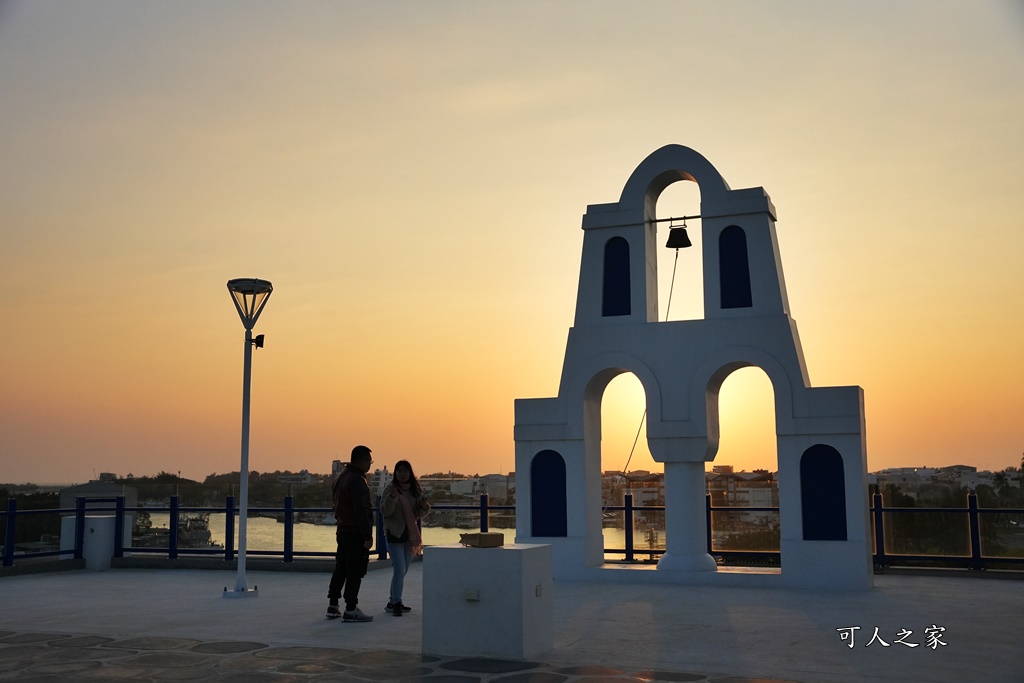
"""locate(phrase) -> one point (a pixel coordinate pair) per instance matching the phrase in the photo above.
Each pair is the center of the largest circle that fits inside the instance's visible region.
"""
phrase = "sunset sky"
(411, 177)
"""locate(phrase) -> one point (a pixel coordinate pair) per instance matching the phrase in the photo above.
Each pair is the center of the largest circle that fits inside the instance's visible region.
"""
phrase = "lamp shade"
(250, 296)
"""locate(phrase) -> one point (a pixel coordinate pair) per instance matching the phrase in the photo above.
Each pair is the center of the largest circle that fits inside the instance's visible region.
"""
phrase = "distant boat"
(194, 531)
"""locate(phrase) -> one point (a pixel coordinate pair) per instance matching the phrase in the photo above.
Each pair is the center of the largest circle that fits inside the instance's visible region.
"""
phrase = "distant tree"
(30, 528)
(765, 534)
(1001, 482)
(314, 495)
(436, 495)
(926, 533)
(988, 496)
(164, 485)
(893, 496)
(224, 482)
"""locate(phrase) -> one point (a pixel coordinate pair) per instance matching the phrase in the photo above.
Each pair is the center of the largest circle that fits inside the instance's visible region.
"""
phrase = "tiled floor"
(175, 624)
(61, 657)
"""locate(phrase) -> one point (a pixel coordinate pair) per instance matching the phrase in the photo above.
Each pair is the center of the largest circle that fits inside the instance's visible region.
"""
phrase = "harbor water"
(266, 533)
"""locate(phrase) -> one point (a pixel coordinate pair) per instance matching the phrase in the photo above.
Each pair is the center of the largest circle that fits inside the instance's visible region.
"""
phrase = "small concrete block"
(488, 602)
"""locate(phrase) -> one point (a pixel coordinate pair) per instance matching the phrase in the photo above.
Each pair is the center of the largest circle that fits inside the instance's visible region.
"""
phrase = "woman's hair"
(414, 485)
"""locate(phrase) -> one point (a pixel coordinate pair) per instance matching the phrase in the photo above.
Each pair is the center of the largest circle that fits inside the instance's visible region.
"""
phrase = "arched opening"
(822, 494)
(548, 499)
(734, 268)
(628, 467)
(615, 299)
(744, 473)
(681, 198)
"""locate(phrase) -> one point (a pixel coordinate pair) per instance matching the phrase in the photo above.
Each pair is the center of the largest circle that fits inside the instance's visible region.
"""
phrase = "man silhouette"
(354, 514)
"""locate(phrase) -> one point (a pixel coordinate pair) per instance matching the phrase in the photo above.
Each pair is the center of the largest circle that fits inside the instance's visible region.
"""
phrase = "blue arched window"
(548, 509)
(823, 494)
(734, 268)
(616, 295)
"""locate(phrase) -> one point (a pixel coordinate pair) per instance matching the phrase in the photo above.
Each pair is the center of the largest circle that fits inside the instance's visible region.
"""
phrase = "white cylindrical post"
(685, 519)
(243, 488)
(250, 296)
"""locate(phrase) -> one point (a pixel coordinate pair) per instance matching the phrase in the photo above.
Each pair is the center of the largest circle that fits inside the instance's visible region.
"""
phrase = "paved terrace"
(174, 624)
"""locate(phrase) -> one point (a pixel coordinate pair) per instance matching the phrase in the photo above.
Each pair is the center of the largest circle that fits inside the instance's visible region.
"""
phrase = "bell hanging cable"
(672, 285)
(668, 306)
(635, 440)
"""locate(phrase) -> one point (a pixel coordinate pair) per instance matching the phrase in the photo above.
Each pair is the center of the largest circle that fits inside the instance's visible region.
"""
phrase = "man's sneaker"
(391, 607)
(333, 611)
(356, 615)
(397, 609)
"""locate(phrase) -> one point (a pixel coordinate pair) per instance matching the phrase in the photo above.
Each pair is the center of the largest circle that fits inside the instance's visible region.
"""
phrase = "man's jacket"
(352, 508)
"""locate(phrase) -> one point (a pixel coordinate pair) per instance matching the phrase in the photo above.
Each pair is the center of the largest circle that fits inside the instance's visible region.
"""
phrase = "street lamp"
(250, 296)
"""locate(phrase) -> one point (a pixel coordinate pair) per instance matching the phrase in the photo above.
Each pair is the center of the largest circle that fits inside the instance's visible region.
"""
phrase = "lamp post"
(250, 296)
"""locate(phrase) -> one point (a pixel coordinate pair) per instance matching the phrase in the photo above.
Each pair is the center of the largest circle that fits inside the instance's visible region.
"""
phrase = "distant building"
(496, 486)
(436, 485)
(647, 488)
(956, 470)
(908, 479)
(757, 489)
(303, 478)
(104, 490)
(921, 472)
(463, 487)
(98, 489)
(378, 480)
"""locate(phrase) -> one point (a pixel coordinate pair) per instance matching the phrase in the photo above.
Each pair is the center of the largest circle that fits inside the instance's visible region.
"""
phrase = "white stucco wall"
(681, 365)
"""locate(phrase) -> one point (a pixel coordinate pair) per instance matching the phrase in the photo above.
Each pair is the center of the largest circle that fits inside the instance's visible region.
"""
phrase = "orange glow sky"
(411, 177)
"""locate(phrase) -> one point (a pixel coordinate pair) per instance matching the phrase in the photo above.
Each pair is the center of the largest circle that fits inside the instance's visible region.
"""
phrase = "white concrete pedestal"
(487, 602)
(97, 542)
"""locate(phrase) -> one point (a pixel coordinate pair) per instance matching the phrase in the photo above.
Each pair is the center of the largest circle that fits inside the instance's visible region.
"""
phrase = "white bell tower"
(825, 529)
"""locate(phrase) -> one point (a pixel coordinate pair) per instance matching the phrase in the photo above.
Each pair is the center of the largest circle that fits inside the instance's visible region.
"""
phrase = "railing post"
(382, 546)
(879, 526)
(172, 539)
(119, 527)
(12, 511)
(79, 526)
(229, 528)
(627, 521)
(289, 528)
(485, 518)
(707, 520)
(972, 506)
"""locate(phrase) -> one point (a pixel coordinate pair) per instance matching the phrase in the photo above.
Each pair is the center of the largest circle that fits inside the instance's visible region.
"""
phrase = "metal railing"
(974, 559)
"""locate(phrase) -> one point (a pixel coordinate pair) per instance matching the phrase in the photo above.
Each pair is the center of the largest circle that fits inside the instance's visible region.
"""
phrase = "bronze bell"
(678, 239)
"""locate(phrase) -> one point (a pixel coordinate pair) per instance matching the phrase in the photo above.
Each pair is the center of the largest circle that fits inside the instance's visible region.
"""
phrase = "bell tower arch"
(682, 364)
